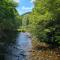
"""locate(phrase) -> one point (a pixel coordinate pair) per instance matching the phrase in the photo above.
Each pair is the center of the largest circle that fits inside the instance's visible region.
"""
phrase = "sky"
(24, 6)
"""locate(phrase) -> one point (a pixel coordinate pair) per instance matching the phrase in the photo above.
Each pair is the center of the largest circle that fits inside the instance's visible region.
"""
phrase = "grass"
(21, 30)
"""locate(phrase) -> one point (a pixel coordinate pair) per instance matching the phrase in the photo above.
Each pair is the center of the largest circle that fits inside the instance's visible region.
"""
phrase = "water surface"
(20, 49)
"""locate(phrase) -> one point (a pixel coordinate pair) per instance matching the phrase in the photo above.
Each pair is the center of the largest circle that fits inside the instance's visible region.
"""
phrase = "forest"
(43, 22)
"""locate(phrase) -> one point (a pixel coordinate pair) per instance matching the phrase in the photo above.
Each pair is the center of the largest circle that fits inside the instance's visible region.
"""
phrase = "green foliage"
(44, 21)
(8, 15)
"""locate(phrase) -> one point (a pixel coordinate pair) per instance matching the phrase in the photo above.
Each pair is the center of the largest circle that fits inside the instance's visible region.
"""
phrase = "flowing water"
(20, 46)
(20, 49)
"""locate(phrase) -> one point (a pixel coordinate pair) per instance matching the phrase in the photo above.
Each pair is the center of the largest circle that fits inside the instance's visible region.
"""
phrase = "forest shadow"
(48, 48)
(6, 37)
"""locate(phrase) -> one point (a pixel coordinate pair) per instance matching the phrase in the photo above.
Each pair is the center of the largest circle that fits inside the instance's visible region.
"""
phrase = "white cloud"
(17, 1)
(32, 1)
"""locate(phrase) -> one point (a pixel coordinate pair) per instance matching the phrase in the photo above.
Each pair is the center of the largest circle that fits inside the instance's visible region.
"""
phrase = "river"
(20, 49)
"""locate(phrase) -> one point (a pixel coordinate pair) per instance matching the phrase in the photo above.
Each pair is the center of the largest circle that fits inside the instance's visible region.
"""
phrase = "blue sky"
(24, 6)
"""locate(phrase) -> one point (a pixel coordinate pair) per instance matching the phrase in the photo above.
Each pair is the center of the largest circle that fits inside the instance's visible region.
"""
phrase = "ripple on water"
(19, 51)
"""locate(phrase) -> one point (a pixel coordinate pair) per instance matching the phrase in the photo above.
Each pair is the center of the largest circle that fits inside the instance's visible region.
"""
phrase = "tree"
(46, 21)
(8, 15)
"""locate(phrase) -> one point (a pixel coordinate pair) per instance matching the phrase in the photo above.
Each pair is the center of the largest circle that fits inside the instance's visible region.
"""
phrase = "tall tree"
(8, 14)
(46, 21)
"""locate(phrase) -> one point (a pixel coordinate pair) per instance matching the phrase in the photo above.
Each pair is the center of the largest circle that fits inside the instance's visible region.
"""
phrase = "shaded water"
(18, 46)
(20, 49)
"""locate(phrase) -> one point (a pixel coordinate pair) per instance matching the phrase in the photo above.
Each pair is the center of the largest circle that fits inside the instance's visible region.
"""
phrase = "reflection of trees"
(8, 36)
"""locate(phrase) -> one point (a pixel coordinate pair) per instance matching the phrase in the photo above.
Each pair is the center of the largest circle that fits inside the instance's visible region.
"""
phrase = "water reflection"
(24, 41)
(20, 49)
(6, 37)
